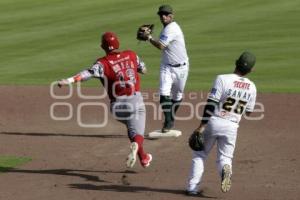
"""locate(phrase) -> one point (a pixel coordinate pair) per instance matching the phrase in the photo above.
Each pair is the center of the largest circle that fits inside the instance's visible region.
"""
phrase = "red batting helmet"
(110, 41)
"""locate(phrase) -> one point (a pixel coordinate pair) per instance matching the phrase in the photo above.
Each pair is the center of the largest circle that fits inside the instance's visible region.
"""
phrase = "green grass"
(8, 162)
(42, 41)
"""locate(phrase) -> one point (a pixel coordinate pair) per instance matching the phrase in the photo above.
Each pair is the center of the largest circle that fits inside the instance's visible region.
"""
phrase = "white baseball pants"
(172, 81)
(220, 131)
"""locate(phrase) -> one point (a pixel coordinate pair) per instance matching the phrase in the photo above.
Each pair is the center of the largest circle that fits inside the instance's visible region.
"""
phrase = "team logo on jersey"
(213, 91)
(163, 37)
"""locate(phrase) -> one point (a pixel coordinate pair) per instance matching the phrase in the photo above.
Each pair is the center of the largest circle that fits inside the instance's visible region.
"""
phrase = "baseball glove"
(144, 32)
(196, 141)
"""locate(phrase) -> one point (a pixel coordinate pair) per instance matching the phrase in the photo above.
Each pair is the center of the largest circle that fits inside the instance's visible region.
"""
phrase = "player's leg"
(178, 86)
(165, 100)
(122, 111)
(226, 146)
(136, 129)
(166, 105)
(198, 161)
(174, 108)
(196, 172)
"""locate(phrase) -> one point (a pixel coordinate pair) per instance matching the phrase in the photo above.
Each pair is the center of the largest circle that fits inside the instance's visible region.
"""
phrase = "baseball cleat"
(131, 158)
(165, 130)
(226, 178)
(167, 127)
(146, 161)
(191, 193)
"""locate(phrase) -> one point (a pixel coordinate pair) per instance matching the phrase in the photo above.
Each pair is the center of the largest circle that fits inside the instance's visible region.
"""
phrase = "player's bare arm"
(157, 44)
(165, 18)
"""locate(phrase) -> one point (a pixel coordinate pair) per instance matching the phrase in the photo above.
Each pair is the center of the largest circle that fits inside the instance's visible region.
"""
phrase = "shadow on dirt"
(65, 135)
(113, 188)
(123, 188)
(69, 172)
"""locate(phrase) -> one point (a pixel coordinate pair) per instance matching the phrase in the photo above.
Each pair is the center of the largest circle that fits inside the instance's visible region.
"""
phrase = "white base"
(158, 134)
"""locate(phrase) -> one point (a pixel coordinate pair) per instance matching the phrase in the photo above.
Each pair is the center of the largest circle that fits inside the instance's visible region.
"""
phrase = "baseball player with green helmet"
(231, 96)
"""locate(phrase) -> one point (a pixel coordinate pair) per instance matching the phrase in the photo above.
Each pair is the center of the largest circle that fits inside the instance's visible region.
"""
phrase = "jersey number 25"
(230, 104)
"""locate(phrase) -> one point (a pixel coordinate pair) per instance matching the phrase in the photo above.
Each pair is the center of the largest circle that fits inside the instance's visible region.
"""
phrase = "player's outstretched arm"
(82, 76)
(63, 82)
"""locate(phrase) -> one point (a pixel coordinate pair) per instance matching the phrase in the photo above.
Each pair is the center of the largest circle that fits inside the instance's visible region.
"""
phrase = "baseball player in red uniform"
(118, 73)
(231, 96)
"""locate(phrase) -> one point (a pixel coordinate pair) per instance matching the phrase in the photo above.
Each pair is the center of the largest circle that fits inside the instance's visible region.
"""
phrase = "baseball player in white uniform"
(174, 65)
(231, 96)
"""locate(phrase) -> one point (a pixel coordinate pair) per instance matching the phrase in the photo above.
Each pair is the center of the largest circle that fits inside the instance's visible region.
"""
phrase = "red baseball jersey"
(120, 73)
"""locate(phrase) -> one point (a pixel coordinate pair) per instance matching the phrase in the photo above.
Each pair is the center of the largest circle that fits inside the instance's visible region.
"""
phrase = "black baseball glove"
(196, 140)
(144, 32)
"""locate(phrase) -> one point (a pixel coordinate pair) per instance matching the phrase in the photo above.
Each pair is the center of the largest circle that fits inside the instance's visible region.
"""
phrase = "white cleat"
(226, 178)
(131, 158)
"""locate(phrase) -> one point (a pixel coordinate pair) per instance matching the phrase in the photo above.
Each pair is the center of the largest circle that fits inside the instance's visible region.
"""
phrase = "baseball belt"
(177, 65)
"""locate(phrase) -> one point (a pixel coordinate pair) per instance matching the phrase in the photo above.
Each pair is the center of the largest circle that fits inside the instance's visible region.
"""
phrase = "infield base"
(159, 134)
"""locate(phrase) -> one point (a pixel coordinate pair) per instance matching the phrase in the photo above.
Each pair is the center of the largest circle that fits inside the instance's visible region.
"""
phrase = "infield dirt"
(71, 162)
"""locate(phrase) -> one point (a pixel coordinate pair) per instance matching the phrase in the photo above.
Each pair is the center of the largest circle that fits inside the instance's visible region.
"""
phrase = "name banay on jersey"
(235, 95)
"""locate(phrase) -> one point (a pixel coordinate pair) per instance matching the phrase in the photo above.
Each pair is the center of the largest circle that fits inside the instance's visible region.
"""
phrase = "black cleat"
(167, 127)
(191, 193)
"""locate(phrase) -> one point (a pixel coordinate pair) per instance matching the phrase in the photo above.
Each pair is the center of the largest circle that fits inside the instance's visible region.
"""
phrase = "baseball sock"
(166, 106)
(175, 106)
(140, 140)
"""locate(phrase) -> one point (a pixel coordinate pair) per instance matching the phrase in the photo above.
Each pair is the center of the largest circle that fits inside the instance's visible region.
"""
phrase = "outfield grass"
(8, 162)
(42, 41)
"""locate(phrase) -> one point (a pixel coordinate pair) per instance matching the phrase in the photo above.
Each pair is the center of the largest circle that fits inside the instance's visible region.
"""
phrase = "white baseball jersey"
(173, 79)
(235, 95)
(172, 38)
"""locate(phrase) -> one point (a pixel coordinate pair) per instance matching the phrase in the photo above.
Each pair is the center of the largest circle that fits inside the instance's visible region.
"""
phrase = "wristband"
(71, 80)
